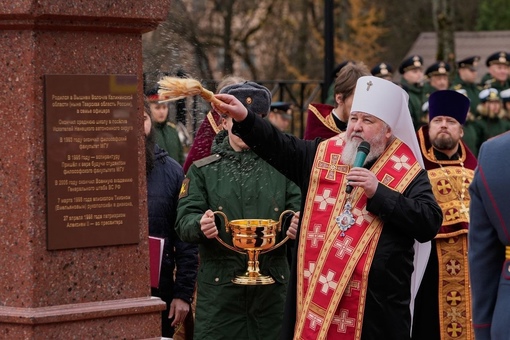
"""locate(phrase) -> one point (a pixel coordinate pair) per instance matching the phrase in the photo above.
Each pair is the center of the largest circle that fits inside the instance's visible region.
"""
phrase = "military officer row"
(490, 99)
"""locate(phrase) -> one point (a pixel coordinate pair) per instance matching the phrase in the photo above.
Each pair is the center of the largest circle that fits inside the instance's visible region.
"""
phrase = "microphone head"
(364, 147)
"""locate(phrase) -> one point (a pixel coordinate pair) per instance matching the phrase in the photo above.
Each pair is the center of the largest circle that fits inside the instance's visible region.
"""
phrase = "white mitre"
(388, 102)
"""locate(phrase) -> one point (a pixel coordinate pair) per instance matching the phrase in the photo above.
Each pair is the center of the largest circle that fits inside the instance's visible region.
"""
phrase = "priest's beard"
(377, 146)
(150, 142)
(445, 142)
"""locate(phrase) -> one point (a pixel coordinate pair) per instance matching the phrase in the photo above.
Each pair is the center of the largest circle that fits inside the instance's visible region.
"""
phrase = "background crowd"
(449, 117)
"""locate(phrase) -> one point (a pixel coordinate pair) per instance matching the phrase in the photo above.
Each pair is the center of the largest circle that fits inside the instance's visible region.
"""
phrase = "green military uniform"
(167, 138)
(474, 134)
(494, 126)
(501, 58)
(427, 91)
(472, 92)
(489, 82)
(241, 185)
(470, 89)
(493, 123)
(416, 99)
(437, 69)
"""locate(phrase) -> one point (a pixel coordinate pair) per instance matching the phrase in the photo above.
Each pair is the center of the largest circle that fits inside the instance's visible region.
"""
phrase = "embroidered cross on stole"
(333, 270)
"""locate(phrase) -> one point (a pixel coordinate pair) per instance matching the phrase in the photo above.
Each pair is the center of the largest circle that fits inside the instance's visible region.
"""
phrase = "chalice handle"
(279, 228)
(221, 213)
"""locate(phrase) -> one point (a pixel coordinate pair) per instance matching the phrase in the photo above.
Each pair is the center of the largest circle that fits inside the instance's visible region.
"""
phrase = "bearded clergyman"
(443, 305)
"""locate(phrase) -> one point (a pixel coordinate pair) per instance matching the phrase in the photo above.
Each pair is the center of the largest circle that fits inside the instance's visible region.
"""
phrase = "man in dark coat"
(352, 274)
(489, 240)
(442, 308)
(164, 179)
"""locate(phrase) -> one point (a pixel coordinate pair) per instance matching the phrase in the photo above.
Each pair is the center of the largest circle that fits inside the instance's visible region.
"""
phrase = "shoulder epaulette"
(171, 124)
(457, 87)
(489, 81)
(207, 160)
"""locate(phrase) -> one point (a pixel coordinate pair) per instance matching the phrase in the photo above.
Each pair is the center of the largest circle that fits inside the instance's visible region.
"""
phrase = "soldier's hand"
(292, 231)
(207, 224)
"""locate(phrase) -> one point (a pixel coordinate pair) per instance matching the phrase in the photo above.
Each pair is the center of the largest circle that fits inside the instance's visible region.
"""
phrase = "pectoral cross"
(369, 83)
(464, 210)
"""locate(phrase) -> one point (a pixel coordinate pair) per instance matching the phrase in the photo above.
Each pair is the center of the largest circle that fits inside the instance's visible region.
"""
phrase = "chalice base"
(257, 280)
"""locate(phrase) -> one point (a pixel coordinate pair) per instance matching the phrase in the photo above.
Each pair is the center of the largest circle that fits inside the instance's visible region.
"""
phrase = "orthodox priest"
(443, 305)
(352, 274)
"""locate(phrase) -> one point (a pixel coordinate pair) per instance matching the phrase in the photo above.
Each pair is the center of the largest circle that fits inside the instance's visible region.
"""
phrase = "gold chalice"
(254, 237)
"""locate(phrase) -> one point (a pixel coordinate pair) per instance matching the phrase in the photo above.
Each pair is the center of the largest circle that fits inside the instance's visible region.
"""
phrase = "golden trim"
(428, 153)
(327, 121)
(455, 317)
(213, 123)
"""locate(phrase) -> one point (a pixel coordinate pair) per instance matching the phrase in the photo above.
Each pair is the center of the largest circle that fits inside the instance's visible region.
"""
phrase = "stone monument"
(63, 272)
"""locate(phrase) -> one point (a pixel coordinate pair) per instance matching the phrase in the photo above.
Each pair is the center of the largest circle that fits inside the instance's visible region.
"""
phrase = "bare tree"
(443, 19)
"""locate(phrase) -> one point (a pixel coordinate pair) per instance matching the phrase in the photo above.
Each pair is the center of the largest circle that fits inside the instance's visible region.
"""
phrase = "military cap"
(470, 62)
(282, 108)
(505, 96)
(339, 67)
(498, 58)
(489, 95)
(382, 70)
(462, 91)
(153, 96)
(437, 69)
(253, 96)
(410, 63)
(449, 103)
(425, 107)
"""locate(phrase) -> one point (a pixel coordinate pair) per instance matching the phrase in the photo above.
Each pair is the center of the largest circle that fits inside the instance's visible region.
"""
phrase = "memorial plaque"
(91, 160)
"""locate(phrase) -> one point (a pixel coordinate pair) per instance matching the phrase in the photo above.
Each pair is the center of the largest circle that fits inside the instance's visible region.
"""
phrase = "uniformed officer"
(411, 70)
(280, 115)
(437, 75)
(474, 130)
(497, 77)
(383, 70)
(505, 98)
(166, 133)
(489, 245)
(465, 79)
(492, 115)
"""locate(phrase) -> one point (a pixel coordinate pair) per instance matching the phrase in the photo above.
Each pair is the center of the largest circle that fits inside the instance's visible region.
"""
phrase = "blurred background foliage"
(284, 39)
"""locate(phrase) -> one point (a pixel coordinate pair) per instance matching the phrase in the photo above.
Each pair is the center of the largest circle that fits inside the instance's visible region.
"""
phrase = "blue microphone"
(361, 155)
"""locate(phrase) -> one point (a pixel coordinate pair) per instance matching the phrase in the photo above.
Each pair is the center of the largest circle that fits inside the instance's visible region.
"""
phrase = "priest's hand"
(231, 106)
(207, 224)
(364, 178)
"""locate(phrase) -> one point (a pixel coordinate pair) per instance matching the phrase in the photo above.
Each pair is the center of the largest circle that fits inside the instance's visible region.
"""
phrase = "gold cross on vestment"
(333, 167)
(369, 83)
